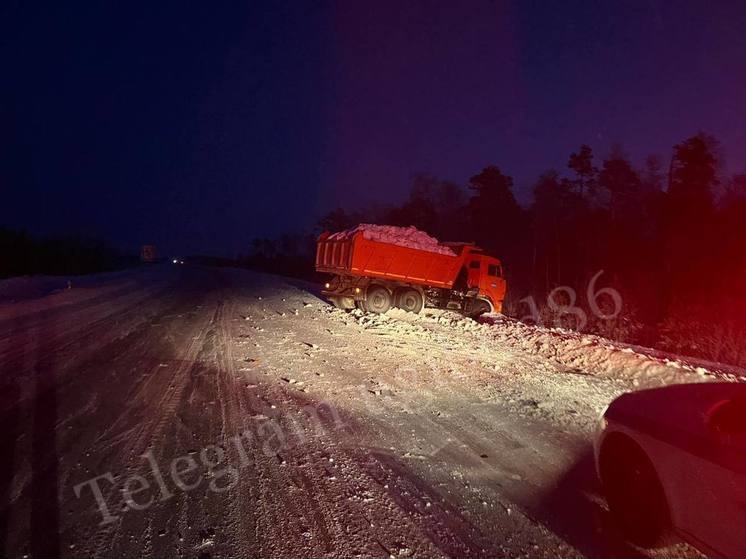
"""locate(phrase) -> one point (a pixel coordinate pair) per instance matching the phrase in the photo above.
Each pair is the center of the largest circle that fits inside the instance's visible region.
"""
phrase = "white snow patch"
(402, 236)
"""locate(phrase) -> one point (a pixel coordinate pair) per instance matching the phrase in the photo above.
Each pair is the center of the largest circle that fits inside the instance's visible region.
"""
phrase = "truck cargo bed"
(358, 256)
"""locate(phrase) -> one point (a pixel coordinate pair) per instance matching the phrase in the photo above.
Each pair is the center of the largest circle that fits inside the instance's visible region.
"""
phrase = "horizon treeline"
(668, 238)
(25, 254)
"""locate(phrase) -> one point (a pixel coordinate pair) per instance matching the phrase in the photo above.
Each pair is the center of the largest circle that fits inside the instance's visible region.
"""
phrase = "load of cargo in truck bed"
(402, 236)
(377, 266)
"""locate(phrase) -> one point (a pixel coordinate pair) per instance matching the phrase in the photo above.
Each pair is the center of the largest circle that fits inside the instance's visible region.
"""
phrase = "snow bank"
(403, 236)
(571, 352)
(593, 355)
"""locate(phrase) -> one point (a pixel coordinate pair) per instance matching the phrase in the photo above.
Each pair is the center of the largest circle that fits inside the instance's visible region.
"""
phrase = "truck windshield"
(494, 270)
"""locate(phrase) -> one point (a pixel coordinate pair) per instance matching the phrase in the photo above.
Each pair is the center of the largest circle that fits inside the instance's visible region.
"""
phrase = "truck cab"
(485, 274)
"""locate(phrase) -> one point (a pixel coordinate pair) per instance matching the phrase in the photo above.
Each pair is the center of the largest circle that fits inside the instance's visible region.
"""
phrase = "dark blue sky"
(198, 126)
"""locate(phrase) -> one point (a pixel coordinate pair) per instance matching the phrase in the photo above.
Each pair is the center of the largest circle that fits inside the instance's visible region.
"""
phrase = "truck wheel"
(479, 308)
(378, 300)
(634, 493)
(409, 300)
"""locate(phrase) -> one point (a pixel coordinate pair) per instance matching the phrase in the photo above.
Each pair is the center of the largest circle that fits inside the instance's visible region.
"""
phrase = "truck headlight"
(327, 285)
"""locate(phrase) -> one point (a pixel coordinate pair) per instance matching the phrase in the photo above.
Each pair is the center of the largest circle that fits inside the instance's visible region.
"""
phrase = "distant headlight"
(327, 285)
(176, 261)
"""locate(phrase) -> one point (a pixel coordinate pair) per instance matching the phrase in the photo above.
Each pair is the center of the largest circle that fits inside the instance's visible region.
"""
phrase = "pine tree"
(586, 174)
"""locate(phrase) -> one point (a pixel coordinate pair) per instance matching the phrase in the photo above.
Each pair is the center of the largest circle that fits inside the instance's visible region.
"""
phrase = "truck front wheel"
(478, 308)
(378, 300)
(409, 300)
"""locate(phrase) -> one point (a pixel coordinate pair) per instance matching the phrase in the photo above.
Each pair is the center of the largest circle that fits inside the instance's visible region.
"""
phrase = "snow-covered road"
(197, 412)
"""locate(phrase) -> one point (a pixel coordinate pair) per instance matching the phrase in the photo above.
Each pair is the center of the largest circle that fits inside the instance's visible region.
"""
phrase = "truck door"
(492, 282)
(474, 273)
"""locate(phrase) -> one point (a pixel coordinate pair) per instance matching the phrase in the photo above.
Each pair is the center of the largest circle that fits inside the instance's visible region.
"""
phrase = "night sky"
(197, 126)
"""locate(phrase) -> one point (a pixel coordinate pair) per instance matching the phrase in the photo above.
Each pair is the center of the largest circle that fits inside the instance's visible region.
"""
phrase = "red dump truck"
(375, 267)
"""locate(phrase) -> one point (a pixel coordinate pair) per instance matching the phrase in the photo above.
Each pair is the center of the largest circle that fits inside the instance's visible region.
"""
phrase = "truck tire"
(377, 300)
(409, 300)
(478, 308)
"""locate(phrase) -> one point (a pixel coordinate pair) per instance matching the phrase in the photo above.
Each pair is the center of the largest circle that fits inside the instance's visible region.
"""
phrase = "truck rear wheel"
(409, 300)
(378, 299)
